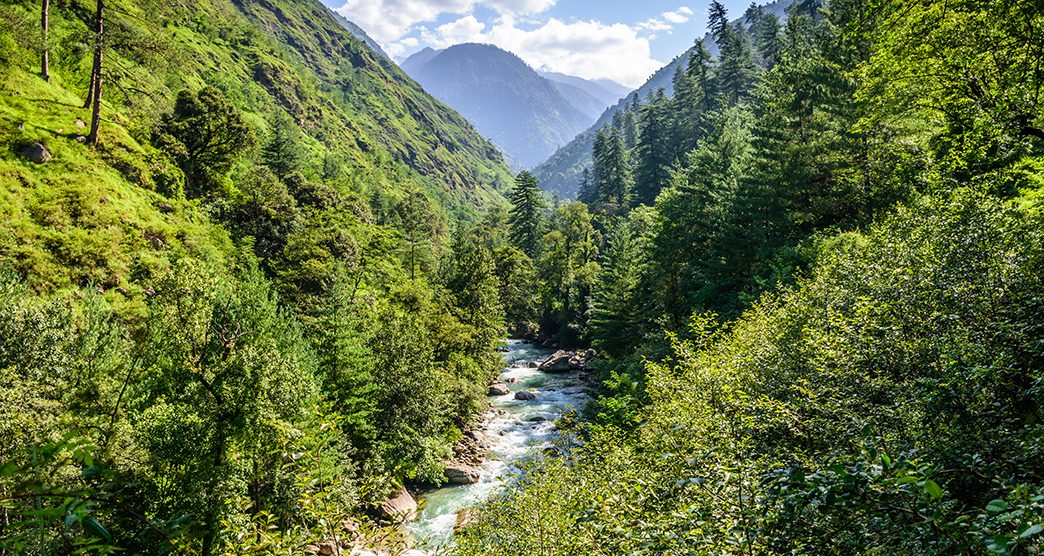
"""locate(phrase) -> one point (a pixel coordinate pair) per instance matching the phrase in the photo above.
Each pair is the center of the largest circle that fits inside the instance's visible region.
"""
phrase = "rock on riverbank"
(563, 361)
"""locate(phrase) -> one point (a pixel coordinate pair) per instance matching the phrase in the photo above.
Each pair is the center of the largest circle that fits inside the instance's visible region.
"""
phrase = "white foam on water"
(513, 438)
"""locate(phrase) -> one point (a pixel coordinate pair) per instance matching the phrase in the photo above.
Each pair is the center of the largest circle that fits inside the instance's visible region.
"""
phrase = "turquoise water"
(513, 438)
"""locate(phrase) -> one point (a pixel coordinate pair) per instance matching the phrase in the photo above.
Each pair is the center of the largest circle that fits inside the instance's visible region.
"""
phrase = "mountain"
(581, 100)
(418, 60)
(605, 91)
(361, 35)
(526, 115)
(561, 173)
(612, 86)
(346, 103)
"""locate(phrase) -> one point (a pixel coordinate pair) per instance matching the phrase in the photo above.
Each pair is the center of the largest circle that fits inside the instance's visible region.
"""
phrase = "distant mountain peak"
(524, 113)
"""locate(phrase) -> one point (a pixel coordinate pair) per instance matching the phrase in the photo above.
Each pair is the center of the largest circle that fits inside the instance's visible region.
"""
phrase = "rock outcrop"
(399, 507)
(459, 474)
(498, 389)
(564, 361)
(465, 517)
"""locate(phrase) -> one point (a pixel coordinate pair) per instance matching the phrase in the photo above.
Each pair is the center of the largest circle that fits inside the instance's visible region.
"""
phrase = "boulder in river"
(457, 474)
(400, 506)
(525, 396)
(498, 389)
(564, 361)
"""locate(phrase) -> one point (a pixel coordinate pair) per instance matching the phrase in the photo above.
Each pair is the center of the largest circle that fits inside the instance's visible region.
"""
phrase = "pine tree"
(693, 96)
(616, 309)
(525, 221)
(737, 68)
(654, 151)
(588, 193)
(283, 152)
(615, 179)
(694, 211)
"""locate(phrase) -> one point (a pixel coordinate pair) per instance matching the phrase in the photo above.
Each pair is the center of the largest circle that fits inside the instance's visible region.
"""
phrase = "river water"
(515, 434)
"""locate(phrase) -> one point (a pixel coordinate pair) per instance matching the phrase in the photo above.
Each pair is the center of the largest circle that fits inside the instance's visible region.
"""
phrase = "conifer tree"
(654, 150)
(283, 153)
(613, 170)
(525, 221)
(588, 193)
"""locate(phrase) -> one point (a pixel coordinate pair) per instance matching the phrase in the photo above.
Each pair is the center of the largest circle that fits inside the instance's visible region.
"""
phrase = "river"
(515, 434)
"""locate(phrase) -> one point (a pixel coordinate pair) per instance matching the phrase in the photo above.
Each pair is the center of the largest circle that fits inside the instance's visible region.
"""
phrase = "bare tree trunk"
(99, 48)
(45, 62)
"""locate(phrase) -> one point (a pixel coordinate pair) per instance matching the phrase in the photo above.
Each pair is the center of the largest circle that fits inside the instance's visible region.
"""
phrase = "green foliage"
(881, 406)
(159, 396)
(205, 134)
(525, 221)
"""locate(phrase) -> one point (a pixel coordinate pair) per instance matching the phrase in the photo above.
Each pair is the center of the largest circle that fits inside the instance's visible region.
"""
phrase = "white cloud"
(675, 17)
(653, 25)
(589, 49)
(390, 20)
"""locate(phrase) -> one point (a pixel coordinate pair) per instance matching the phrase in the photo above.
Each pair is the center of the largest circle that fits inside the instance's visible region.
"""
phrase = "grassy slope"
(94, 216)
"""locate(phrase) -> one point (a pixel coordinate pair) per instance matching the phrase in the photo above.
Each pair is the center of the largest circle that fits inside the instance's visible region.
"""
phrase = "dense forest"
(250, 289)
(241, 296)
(816, 276)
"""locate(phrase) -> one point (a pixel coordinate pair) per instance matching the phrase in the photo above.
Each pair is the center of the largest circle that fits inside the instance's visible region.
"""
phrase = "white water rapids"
(513, 439)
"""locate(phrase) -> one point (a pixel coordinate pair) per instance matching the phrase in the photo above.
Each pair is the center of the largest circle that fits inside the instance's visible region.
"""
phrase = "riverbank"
(518, 425)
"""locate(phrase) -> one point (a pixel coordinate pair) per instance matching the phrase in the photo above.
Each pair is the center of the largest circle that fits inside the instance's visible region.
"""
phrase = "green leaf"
(933, 489)
(92, 526)
(1031, 531)
(997, 506)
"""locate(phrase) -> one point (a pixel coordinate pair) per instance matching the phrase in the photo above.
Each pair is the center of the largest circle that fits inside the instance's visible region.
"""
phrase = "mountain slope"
(561, 173)
(354, 111)
(361, 35)
(607, 92)
(580, 99)
(504, 98)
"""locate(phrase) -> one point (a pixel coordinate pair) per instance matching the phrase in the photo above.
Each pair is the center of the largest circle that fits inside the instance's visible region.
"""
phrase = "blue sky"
(625, 41)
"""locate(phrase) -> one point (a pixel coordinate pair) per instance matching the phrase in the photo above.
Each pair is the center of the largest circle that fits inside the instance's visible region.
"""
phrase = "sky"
(622, 40)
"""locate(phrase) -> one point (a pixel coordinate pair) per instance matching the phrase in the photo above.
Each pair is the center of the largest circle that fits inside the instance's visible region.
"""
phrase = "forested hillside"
(254, 282)
(562, 173)
(241, 297)
(815, 276)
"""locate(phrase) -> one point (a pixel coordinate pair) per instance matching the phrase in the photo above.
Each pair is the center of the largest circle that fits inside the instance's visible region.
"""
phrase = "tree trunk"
(96, 81)
(45, 62)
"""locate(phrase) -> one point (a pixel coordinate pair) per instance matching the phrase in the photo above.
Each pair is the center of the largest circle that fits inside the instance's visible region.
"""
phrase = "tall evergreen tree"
(588, 193)
(282, 152)
(654, 151)
(693, 214)
(613, 170)
(736, 65)
(525, 221)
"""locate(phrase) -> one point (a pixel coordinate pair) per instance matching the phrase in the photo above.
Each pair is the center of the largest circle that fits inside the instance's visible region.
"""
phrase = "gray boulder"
(457, 474)
(498, 389)
(37, 152)
(525, 396)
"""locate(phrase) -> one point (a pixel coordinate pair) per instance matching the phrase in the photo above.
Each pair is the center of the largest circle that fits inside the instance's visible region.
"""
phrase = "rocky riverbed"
(525, 402)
